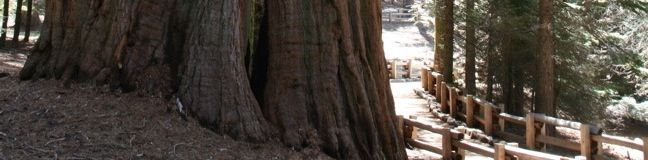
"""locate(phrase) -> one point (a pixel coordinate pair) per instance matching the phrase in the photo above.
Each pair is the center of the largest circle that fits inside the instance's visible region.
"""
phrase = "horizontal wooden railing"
(453, 144)
(399, 16)
(395, 71)
(490, 118)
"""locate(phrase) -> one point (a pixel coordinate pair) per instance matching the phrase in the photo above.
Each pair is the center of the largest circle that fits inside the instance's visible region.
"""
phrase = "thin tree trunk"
(471, 40)
(29, 20)
(491, 49)
(444, 38)
(5, 18)
(517, 96)
(508, 74)
(545, 98)
(18, 21)
(438, 34)
(587, 4)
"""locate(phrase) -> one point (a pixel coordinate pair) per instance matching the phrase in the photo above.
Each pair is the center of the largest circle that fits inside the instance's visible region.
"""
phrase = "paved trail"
(409, 104)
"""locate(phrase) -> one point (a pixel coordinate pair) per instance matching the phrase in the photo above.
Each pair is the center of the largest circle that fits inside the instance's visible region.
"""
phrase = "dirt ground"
(44, 120)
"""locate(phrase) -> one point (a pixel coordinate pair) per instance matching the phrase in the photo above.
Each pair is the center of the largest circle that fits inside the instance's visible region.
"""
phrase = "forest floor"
(44, 120)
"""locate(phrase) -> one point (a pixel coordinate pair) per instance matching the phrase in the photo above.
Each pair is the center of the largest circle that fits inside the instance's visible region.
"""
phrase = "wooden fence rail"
(492, 120)
(397, 17)
(394, 68)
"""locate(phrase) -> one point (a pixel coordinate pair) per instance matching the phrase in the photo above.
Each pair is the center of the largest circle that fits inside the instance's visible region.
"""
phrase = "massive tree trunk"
(335, 90)
(246, 68)
(215, 86)
(471, 40)
(5, 18)
(545, 95)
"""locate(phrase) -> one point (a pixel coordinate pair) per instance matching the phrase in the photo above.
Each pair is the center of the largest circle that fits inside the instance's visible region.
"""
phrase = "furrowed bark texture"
(5, 18)
(110, 42)
(215, 86)
(471, 53)
(250, 69)
(337, 84)
(443, 49)
(545, 97)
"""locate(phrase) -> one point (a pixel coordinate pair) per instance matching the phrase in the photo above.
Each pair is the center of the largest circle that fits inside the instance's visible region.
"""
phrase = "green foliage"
(627, 108)
(600, 51)
(634, 5)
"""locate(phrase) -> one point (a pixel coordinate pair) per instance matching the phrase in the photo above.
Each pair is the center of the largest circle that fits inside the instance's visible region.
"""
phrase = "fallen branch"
(37, 149)
(55, 140)
(130, 142)
(176, 145)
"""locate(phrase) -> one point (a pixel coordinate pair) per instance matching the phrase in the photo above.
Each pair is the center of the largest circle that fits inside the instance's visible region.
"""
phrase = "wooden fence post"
(409, 68)
(414, 132)
(599, 148)
(586, 141)
(500, 152)
(543, 132)
(431, 81)
(461, 153)
(439, 86)
(453, 101)
(488, 116)
(502, 125)
(400, 124)
(530, 131)
(470, 110)
(645, 147)
(444, 97)
(446, 143)
(394, 70)
(424, 79)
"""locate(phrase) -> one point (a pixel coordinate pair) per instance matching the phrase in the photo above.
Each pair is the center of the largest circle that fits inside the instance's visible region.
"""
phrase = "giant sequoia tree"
(250, 69)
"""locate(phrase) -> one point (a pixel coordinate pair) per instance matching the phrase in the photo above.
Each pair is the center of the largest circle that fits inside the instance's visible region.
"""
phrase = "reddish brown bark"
(320, 79)
(471, 41)
(337, 83)
(215, 87)
(545, 94)
(444, 46)
(5, 18)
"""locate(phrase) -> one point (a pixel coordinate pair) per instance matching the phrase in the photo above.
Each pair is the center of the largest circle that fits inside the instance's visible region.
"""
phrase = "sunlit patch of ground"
(403, 41)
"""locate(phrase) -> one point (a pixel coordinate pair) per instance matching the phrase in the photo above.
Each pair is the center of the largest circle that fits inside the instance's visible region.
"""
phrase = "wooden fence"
(476, 112)
(400, 15)
(400, 69)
